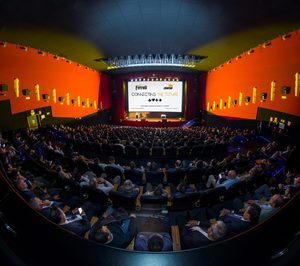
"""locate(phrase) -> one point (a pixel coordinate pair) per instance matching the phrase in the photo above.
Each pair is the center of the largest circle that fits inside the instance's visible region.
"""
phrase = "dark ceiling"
(84, 30)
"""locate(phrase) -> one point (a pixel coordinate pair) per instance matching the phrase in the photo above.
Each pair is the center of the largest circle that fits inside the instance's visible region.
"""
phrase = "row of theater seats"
(184, 152)
(177, 202)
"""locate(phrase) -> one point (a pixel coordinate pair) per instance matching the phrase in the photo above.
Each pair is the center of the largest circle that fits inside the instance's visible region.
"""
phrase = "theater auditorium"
(162, 132)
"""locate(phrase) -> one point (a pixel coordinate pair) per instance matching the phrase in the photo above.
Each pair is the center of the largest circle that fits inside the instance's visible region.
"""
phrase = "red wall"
(277, 62)
(105, 100)
(191, 101)
(32, 68)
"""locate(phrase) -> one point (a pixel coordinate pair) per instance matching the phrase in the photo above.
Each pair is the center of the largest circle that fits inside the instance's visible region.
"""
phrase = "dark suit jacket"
(192, 239)
(121, 239)
(235, 224)
(79, 227)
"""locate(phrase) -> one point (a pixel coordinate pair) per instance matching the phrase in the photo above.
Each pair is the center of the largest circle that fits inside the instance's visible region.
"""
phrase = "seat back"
(154, 177)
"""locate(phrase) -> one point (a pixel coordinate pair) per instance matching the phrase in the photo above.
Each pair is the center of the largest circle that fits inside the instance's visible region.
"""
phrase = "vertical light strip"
(37, 92)
(95, 104)
(214, 105)
(78, 101)
(88, 102)
(229, 101)
(54, 95)
(240, 98)
(297, 84)
(221, 103)
(254, 95)
(68, 98)
(17, 87)
(207, 108)
(273, 90)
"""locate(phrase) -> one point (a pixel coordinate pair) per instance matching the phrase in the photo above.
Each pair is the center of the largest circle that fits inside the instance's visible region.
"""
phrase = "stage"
(153, 122)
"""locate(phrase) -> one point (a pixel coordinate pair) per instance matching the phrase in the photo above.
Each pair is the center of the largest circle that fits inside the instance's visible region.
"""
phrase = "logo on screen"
(169, 87)
(140, 87)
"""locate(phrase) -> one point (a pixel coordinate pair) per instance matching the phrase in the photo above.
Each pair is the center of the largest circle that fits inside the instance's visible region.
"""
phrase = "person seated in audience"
(43, 206)
(152, 166)
(129, 188)
(267, 208)
(87, 178)
(158, 191)
(62, 173)
(183, 188)
(115, 228)
(76, 222)
(154, 242)
(231, 179)
(238, 223)
(102, 184)
(133, 167)
(24, 190)
(194, 233)
(289, 193)
(112, 163)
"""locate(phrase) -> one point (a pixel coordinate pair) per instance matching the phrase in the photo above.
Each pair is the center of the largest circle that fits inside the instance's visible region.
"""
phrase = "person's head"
(36, 203)
(232, 174)
(128, 185)
(290, 192)
(216, 230)
(111, 159)
(177, 163)
(155, 243)
(182, 187)
(297, 181)
(57, 215)
(21, 184)
(132, 165)
(276, 201)
(252, 213)
(154, 166)
(103, 235)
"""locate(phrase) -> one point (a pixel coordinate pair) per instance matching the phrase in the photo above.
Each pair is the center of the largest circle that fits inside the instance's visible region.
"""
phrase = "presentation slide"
(155, 96)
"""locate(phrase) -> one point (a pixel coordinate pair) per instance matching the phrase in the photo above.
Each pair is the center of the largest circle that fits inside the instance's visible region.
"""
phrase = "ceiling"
(85, 30)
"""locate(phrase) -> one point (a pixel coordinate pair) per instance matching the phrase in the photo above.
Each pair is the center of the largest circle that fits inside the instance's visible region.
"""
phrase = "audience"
(258, 168)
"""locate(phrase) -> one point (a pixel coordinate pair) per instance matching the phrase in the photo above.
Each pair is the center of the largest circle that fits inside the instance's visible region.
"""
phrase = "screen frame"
(157, 113)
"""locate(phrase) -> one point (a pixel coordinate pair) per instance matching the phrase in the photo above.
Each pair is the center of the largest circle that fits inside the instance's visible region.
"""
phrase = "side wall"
(41, 72)
(272, 64)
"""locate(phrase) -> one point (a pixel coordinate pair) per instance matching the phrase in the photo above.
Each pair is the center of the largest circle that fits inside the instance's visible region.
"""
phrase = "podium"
(163, 117)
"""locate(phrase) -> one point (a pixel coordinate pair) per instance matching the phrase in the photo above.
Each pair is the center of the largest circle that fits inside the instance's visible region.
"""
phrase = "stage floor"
(155, 120)
(152, 122)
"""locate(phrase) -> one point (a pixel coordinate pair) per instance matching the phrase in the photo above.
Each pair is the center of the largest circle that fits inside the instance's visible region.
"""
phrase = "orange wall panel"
(277, 62)
(32, 68)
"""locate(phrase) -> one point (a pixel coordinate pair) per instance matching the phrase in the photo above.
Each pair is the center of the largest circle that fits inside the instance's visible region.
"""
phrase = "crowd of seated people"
(28, 158)
(153, 141)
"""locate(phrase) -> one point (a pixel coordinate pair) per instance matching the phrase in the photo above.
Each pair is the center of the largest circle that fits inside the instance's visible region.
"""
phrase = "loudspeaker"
(61, 99)
(73, 101)
(285, 90)
(234, 102)
(3, 87)
(247, 99)
(26, 92)
(263, 96)
(83, 103)
(45, 96)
